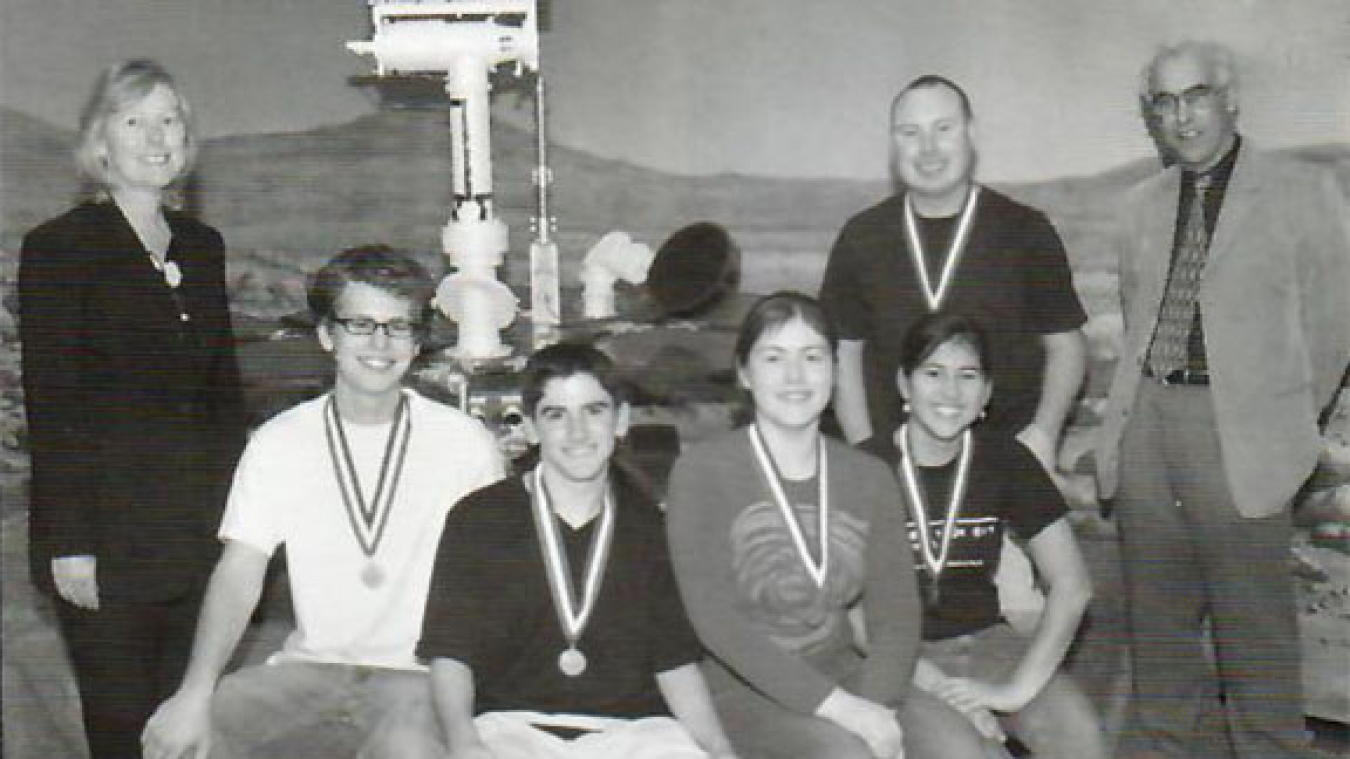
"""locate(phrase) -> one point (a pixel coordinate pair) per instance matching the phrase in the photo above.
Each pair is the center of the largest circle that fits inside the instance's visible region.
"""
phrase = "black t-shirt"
(489, 608)
(1014, 278)
(1006, 488)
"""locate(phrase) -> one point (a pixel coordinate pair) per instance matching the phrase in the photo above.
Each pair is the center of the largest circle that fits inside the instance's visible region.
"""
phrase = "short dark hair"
(380, 266)
(930, 81)
(569, 359)
(936, 330)
(773, 311)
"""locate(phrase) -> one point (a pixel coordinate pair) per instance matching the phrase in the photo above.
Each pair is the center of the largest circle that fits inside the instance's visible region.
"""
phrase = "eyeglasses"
(364, 326)
(1199, 97)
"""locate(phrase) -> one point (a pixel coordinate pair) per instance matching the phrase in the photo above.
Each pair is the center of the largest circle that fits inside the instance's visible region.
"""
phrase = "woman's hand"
(76, 580)
(931, 679)
(965, 693)
(870, 721)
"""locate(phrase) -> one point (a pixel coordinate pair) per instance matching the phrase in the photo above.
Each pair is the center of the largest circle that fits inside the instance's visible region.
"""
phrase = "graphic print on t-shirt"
(779, 592)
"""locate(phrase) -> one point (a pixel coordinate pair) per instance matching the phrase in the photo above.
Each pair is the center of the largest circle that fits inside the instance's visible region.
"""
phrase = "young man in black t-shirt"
(553, 613)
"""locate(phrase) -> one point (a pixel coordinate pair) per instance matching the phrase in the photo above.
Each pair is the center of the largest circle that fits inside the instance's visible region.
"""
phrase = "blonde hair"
(117, 88)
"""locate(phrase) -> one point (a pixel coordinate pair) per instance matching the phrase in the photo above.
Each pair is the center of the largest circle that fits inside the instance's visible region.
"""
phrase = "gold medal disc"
(372, 576)
(572, 662)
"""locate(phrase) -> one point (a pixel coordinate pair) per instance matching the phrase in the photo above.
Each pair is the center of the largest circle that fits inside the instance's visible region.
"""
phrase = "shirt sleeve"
(676, 642)
(454, 597)
(467, 616)
(697, 525)
(252, 510)
(891, 605)
(1051, 300)
(839, 290)
(1033, 500)
(60, 397)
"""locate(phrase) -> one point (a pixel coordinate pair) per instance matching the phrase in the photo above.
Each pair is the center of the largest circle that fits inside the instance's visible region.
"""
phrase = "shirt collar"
(1222, 171)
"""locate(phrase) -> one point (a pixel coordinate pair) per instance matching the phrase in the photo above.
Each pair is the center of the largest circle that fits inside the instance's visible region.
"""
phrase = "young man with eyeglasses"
(1234, 275)
(355, 484)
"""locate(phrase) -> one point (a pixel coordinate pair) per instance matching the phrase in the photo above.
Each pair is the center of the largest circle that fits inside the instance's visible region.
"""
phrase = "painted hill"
(386, 178)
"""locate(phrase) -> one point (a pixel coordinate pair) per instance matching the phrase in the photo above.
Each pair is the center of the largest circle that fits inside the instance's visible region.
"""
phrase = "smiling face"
(144, 146)
(933, 148)
(790, 374)
(1195, 117)
(370, 368)
(946, 392)
(577, 424)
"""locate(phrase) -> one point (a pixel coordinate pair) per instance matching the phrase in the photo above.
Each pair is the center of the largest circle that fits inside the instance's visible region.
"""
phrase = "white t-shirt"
(286, 492)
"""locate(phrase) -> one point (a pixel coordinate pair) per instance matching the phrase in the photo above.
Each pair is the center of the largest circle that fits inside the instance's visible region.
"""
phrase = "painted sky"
(772, 87)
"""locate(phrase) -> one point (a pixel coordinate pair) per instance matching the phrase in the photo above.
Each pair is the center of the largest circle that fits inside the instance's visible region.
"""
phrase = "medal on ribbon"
(573, 613)
(954, 251)
(368, 519)
(816, 569)
(934, 560)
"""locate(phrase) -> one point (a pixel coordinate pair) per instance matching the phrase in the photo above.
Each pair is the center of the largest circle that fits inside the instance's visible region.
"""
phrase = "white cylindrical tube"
(597, 292)
(467, 85)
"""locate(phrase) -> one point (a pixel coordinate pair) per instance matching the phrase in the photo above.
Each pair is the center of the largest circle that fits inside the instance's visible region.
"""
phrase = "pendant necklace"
(368, 520)
(934, 561)
(173, 277)
(573, 613)
(954, 251)
(169, 270)
(817, 570)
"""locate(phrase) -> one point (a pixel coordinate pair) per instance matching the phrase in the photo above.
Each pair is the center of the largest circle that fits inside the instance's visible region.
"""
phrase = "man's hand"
(76, 579)
(180, 728)
(870, 721)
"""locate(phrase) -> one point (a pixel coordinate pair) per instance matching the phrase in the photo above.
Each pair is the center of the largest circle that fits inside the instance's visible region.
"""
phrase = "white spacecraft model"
(464, 40)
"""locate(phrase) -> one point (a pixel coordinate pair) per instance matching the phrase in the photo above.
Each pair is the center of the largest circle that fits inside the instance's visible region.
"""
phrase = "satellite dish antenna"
(693, 270)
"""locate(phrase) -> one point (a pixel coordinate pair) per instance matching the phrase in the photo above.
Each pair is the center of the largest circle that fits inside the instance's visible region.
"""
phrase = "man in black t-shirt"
(553, 613)
(946, 240)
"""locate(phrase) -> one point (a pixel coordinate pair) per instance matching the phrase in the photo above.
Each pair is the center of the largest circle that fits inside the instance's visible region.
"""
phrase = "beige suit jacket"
(1275, 305)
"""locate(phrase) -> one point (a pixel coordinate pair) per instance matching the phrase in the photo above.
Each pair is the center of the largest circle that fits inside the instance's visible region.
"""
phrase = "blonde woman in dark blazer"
(133, 400)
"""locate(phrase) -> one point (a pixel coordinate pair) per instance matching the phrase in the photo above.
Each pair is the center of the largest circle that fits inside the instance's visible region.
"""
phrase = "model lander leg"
(463, 40)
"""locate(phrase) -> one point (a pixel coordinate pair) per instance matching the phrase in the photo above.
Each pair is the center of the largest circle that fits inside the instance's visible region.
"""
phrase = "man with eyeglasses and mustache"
(1235, 288)
(355, 484)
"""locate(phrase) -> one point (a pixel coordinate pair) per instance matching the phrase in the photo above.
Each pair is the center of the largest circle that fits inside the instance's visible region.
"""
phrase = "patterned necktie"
(1169, 349)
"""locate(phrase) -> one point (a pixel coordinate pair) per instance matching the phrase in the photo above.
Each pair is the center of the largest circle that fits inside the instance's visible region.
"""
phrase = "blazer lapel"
(1244, 189)
(1159, 220)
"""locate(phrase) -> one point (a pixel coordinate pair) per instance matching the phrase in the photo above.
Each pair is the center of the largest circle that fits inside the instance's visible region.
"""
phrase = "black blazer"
(135, 416)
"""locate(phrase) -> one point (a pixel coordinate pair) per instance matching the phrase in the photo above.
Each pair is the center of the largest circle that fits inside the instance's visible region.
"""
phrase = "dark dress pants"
(128, 657)
(1191, 558)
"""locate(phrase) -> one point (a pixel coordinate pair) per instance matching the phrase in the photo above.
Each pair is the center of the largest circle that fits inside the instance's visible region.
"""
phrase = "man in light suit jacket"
(1235, 288)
